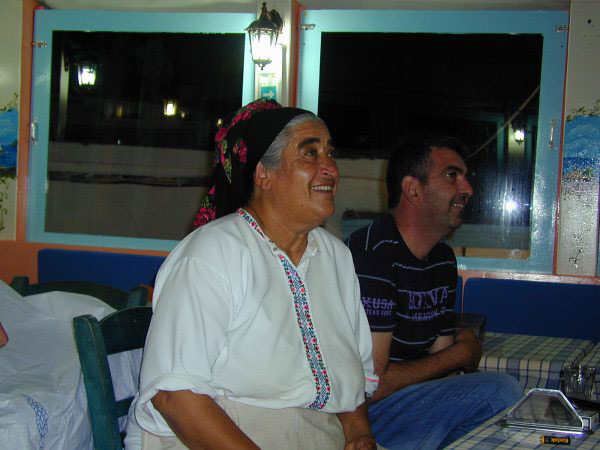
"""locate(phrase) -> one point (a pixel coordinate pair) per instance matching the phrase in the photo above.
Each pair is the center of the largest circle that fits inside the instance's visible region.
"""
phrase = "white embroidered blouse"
(234, 317)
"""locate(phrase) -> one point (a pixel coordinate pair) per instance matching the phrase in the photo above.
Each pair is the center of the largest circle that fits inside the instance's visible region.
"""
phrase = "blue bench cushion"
(459, 295)
(535, 307)
(121, 270)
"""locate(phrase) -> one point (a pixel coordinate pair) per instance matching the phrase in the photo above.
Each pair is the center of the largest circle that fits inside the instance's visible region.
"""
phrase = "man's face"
(304, 185)
(446, 192)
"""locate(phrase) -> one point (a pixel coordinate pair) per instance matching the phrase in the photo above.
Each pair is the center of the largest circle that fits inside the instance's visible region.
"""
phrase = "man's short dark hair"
(411, 156)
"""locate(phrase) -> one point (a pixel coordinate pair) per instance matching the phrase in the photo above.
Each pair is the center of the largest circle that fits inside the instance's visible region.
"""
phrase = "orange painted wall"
(29, 7)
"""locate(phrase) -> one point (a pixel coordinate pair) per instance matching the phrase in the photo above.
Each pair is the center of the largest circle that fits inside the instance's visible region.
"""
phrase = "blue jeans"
(433, 414)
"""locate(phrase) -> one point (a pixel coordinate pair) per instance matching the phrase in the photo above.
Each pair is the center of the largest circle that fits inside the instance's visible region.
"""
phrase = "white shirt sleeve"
(365, 344)
(188, 330)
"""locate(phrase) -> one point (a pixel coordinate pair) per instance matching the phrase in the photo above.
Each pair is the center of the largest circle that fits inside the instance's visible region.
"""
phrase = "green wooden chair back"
(114, 297)
(118, 332)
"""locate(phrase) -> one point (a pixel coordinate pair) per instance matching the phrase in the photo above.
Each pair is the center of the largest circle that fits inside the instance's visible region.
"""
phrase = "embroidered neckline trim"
(304, 319)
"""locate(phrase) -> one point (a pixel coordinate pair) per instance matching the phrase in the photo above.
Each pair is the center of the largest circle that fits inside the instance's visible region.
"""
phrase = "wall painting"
(580, 191)
(9, 127)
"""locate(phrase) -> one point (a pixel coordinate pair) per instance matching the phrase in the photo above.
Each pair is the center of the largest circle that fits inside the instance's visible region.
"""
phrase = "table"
(536, 361)
(593, 359)
(488, 435)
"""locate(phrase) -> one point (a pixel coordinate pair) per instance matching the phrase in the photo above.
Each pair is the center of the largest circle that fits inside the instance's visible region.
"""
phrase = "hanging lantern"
(263, 34)
(170, 107)
(86, 73)
(519, 135)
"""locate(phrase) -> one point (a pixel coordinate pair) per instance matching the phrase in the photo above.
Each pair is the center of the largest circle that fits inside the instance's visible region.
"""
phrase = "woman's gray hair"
(272, 157)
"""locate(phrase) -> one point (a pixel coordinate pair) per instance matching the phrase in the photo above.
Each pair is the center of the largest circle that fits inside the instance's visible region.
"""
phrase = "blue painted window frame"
(47, 21)
(550, 24)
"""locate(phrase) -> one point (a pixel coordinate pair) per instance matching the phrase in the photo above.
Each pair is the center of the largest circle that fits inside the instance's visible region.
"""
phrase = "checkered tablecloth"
(488, 435)
(593, 359)
(536, 361)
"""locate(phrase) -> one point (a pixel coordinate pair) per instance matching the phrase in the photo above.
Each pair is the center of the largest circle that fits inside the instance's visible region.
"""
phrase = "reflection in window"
(132, 121)
(482, 88)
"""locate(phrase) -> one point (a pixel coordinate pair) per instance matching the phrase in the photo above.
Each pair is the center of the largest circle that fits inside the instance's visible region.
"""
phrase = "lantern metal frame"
(265, 29)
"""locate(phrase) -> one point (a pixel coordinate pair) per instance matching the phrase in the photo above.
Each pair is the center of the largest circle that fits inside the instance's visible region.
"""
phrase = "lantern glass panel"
(263, 43)
(86, 74)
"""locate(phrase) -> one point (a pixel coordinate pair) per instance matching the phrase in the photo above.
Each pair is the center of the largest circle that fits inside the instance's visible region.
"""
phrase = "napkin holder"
(549, 410)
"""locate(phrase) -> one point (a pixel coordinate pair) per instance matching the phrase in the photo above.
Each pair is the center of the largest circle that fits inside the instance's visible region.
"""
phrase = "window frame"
(551, 25)
(48, 21)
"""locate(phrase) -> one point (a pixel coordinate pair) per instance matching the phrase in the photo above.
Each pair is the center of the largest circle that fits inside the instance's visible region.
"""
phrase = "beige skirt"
(270, 429)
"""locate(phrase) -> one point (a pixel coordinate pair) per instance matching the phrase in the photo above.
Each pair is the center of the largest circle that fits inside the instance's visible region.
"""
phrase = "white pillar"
(580, 190)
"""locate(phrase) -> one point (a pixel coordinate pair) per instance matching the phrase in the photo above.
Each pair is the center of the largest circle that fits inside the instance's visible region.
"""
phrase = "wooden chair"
(114, 297)
(118, 332)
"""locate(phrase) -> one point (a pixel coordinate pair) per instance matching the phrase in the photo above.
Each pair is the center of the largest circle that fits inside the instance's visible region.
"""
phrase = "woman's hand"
(365, 442)
(357, 431)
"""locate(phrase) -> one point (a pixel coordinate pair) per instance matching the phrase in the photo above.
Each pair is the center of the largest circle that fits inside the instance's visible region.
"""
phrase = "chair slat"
(126, 329)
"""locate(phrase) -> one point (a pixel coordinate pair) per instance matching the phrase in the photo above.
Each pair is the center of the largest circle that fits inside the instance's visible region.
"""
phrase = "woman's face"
(305, 183)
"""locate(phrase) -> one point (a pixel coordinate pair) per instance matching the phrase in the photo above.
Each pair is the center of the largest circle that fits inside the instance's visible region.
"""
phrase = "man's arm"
(441, 343)
(199, 422)
(357, 432)
(446, 357)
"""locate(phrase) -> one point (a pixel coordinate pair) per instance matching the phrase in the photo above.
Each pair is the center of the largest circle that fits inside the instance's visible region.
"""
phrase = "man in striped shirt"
(408, 279)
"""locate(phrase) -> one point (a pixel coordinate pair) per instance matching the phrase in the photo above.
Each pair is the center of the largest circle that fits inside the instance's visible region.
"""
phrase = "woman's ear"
(411, 189)
(262, 177)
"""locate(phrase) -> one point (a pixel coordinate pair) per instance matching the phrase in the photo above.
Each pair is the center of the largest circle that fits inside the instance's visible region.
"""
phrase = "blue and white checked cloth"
(536, 361)
(488, 435)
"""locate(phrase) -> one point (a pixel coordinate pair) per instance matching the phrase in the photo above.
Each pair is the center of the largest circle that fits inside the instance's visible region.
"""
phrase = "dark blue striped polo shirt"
(401, 293)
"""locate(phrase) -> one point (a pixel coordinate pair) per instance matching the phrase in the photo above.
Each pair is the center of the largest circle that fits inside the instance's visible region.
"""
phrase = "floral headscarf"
(240, 144)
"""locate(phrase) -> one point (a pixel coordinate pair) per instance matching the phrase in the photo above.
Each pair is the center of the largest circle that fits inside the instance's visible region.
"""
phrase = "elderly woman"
(258, 338)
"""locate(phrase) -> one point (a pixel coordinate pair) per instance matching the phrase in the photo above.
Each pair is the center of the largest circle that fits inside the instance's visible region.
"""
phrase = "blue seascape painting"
(9, 126)
(582, 137)
(581, 162)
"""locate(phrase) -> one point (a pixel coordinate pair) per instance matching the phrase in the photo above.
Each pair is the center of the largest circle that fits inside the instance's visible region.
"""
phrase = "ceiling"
(252, 5)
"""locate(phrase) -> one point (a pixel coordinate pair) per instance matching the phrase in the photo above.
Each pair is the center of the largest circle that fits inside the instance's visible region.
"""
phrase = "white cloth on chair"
(42, 394)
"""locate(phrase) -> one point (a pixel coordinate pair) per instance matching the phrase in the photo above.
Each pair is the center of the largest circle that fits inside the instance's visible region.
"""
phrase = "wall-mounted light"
(519, 135)
(519, 126)
(86, 73)
(119, 111)
(170, 107)
(510, 206)
(263, 34)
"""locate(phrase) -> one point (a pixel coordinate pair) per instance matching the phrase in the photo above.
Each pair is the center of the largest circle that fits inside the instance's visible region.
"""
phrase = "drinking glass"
(579, 381)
